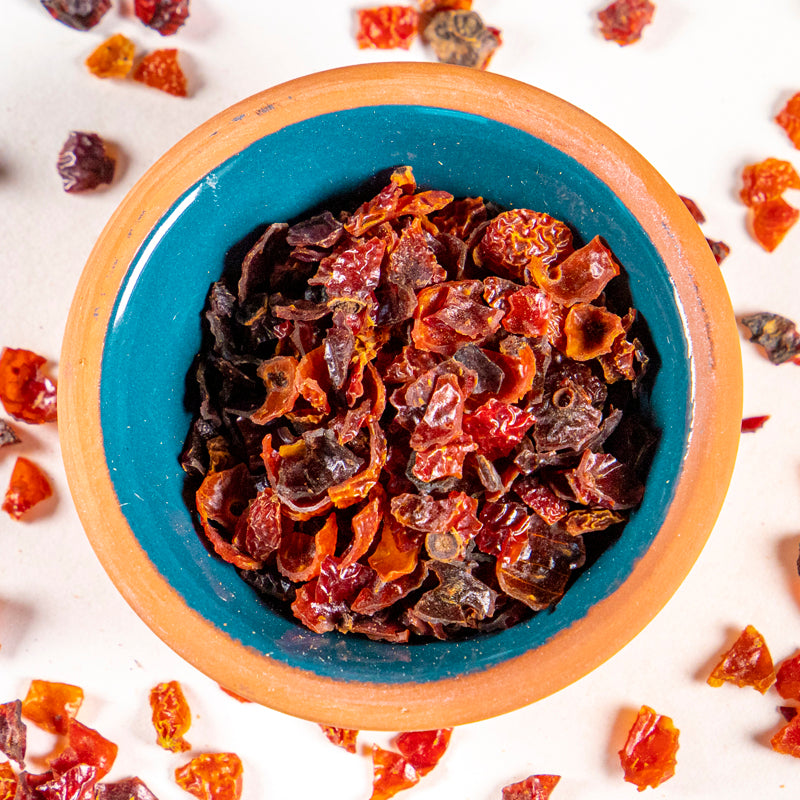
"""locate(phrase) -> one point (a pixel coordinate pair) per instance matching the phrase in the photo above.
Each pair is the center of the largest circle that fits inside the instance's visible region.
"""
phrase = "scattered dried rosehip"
(8, 782)
(787, 678)
(387, 27)
(26, 393)
(789, 119)
(624, 20)
(84, 162)
(776, 334)
(13, 733)
(341, 737)
(460, 37)
(719, 249)
(127, 789)
(746, 663)
(787, 739)
(162, 70)
(698, 216)
(171, 716)
(164, 16)
(51, 705)
(28, 487)
(391, 773)
(7, 434)
(79, 14)
(648, 757)
(212, 776)
(113, 58)
(534, 787)
(751, 424)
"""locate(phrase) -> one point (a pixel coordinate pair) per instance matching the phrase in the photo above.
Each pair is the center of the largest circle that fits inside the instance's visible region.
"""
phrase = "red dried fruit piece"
(423, 749)
(497, 427)
(84, 747)
(767, 180)
(747, 663)
(162, 70)
(750, 424)
(79, 14)
(212, 776)
(51, 705)
(789, 119)
(113, 58)
(719, 250)
(341, 737)
(459, 36)
(387, 27)
(8, 782)
(771, 220)
(534, 787)
(624, 20)
(648, 757)
(391, 773)
(77, 783)
(13, 733)
(171, 716)
(787, 739)
(126, 789)
(26, 393)
(787, 678)
(698, 216)
(84, 162)
(28, 487)
(164, 16)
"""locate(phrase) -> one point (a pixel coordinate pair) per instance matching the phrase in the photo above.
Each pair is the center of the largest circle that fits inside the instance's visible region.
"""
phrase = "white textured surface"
(696, 96)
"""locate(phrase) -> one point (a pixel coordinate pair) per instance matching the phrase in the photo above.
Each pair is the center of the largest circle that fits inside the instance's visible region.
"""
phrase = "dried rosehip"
(28, 487)
(423, 749)
(387, 27)
(789, 119)
(746, 663)
(162, 70)
(126, 789)
(751, 424)
(624, 20)
(13, 733)
(719, 250)
(51, 705)
(164, 16)
(787, 739)
(7, 434)
(84, 162)
(171, 716)
(79, 14)
(648, 757)
(212, 776)
(8, 782)
(767, 180)
(776, 334)
(84, 747)
(26, 393)
(341, 737)
(534, 787)
(787, 678)
(113, 58)
(461, 37)
(698, 216)
(392, 773)
(771, 220)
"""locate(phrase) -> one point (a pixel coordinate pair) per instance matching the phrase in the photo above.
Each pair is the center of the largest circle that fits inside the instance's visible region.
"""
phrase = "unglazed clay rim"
(612, 622)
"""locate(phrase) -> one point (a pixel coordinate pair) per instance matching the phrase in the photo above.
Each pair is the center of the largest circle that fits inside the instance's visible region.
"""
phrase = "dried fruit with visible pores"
(162, 70)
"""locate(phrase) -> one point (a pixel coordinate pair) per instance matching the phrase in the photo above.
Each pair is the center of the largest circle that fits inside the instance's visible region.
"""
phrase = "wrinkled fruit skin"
(164, 16)
(83, 162)
(82, 15)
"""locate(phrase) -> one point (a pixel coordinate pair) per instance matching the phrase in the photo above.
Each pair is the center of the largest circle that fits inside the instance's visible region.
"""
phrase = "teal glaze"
(155, 332)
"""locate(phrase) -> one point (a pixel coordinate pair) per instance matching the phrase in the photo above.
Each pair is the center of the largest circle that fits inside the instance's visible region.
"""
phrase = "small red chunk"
(28, 487)
(771, 220)
(162, 70)
(497, 427)
(212, 776)
(164, 16)
(85, 747)
(789, 119)
(423, 749)
(171, 716)
(341, 737)
(751, 424)
(787, 678)
(648, 757)
(767, 180)
(26, 393)
(391, 773)
(534, 787)
(13, 734)
(387, 27)
(51, 705)
(747, 663)
(624, 20)
(787, 739)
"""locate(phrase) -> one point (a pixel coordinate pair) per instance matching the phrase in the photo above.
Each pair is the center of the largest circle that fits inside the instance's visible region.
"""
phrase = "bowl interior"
(154, 333)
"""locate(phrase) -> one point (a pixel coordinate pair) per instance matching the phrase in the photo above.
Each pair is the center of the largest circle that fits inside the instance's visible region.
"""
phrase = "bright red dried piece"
(719, 249)
(13, 733)
(649, 755)
(787, 678)
(771, 220)
(161, 69)
(624, 20)
(751, 424)
(26, 393)
(79, 14)
(497, 427)
(387, 27)
(341, 737)
(28, 487)
(171, 716)
(423, 749)
(391, 773)
(534, 787)
(698, 216)
(8, 781)
(787, 739)
(748, 662)
(789, 119)
(77, 783)
(84, 747)
(212, 776)
(164, 16)
(84, 162)
(51, 705)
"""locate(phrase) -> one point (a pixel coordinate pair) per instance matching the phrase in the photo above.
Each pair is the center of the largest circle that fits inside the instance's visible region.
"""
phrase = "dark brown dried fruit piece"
(461, 37)
(776, 334)
(84, 163)
(79, 14)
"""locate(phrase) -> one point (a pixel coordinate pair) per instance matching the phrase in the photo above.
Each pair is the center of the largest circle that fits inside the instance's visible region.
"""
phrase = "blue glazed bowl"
(134, 329)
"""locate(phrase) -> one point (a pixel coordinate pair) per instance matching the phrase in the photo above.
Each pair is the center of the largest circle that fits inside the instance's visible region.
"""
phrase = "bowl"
(134, 328)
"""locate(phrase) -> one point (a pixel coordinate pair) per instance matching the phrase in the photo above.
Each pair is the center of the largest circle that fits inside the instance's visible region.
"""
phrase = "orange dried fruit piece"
(162, 70)
(26, 393)
(51, 705)
(391, 773)
(27, 487)
(85, 747)
(113, 58)
(212, 776)
(534, 787)
(341, 737)
(624, 20)
(8, 782)
(171, 716)
(648, 757)
(789, 119)
(767, 180)
(771, 220)
(787, 739)
(787, 678)
(747, 663)
(387, 27)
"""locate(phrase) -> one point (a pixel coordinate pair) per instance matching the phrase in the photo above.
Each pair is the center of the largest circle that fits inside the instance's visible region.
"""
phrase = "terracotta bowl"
(134, 328)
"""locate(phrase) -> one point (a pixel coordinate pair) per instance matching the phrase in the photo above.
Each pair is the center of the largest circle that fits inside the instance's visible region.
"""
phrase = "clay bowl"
(134, 328)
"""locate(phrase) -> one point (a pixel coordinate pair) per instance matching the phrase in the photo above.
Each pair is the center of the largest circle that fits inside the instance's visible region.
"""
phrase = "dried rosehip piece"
(28, 487)
(789, 119)
(624, 20)
(113, 58)
(648, 757)
(13, 733)
(79, 14)
(460, 37)
(26, 393)
(776, 334)
(171, 716)
(8, 782)
(746, 663)
(391, 773)
(787, 739)
(212, 776)
(787, 678)
(751, 424)
(387, 27)
(84, 162)
(7, 434)
(162, 70)
(51, 705)
(164, 16)
(126, 789)
(341, 737)
(534, 787)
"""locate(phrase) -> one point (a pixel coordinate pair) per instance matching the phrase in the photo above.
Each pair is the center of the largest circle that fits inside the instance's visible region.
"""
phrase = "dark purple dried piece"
(339, 347)
(324, 231)
(7, 434)
(13, 732)
(257, 264)
(127, 789)
(776, 334)
(490, 376)
(164, 16)
(79, 14)
(83, 162)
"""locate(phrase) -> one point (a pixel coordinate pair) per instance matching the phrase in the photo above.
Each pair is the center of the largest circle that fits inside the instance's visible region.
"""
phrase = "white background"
(697, 96)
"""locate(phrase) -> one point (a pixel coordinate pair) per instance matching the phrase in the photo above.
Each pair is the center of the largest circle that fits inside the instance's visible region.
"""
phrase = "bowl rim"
(715, 400)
